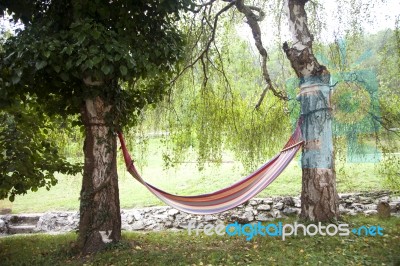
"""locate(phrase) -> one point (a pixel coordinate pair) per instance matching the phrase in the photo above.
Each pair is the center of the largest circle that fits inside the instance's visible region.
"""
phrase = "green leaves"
(17, 76)
(15, 79)
(29, 155)
(107, 69)
(123, 70)
(113, 45)
(40, 64)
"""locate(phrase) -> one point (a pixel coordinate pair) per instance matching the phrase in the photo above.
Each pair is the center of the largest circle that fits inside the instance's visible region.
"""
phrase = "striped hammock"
(230, 197)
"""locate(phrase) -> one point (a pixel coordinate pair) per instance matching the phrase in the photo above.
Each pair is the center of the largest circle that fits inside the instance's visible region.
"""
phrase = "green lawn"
(186, 180)
(179, 248)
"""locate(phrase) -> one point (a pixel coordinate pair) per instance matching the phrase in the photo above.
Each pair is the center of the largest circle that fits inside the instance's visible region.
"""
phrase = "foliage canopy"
(69, 51)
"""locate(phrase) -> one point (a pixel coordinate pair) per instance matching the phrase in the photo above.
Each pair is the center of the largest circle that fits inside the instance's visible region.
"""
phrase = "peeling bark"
(100, 219)
(319, 197)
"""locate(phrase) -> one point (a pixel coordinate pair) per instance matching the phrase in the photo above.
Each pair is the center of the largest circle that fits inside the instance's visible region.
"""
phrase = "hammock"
(230, 197)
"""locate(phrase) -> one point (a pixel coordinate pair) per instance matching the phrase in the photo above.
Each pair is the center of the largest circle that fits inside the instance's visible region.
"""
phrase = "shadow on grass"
(179, 248)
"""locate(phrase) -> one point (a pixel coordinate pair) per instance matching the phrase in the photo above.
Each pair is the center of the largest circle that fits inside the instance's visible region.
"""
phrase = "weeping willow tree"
(233, 95)
(211, 106)
(390, 108)
(220, 111)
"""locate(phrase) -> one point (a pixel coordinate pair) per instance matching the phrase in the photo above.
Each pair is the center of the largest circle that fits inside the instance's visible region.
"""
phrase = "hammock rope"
(231, 196)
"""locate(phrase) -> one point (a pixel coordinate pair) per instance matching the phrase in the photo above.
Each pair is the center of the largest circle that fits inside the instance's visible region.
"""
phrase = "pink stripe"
(207, 203)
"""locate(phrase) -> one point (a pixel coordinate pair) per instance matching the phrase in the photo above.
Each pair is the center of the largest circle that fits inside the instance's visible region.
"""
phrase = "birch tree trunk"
(100, 219)
(319, 199)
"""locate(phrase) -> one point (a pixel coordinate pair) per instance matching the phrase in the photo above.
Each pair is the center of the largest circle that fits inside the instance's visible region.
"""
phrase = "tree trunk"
(319, 197)
(100, 218)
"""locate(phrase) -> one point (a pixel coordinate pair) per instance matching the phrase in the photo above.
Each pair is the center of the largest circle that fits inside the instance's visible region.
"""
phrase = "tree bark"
(100, 218)
(319, 197)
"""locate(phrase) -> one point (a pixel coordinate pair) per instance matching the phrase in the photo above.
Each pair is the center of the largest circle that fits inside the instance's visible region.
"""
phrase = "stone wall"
(162, 218)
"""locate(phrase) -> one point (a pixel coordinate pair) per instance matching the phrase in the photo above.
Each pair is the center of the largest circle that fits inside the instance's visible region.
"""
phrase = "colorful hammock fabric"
(230, 197)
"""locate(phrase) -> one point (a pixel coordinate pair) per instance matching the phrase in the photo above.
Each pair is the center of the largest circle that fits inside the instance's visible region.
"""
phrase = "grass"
(179, 248)
(186, 180)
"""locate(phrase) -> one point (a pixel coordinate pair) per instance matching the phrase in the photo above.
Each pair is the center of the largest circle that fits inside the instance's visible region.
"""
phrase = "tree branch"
(252, 20)
(209, 42)
(379, 120)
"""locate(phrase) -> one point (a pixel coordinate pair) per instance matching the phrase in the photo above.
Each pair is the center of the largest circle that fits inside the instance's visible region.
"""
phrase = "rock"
(344, 195)
(395, 199)
(168, 224)
(259, 200)
(277, 199)
(246, 217)
(268, 201)
(383, 209)
(181, 225)
(3, 227)
(342, 209)
(370, 207)
(356, 197)
(248, 209)
(179, 218)
(160, 210)
(276, 214)
(394, 206)
(263, 217)
(264, 207)
(384, 199)
(21, 229)
(233, 218)
(370, 212)
(139, 225)
(352, 212)
(297, 202)
(73, 222)
(357, 206)
(288, 201)
(130, 219)
(124, 216)
(290, 211)
(348, 201)
(137, 215)
(219, 221)
(154, 226)
(161, 217)
(149, 222)
(278, 206)
(45, 223)
(365, 200)
(397, 215)
(126, 227)
(210, 218)
(172, 212)
(253, 202)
